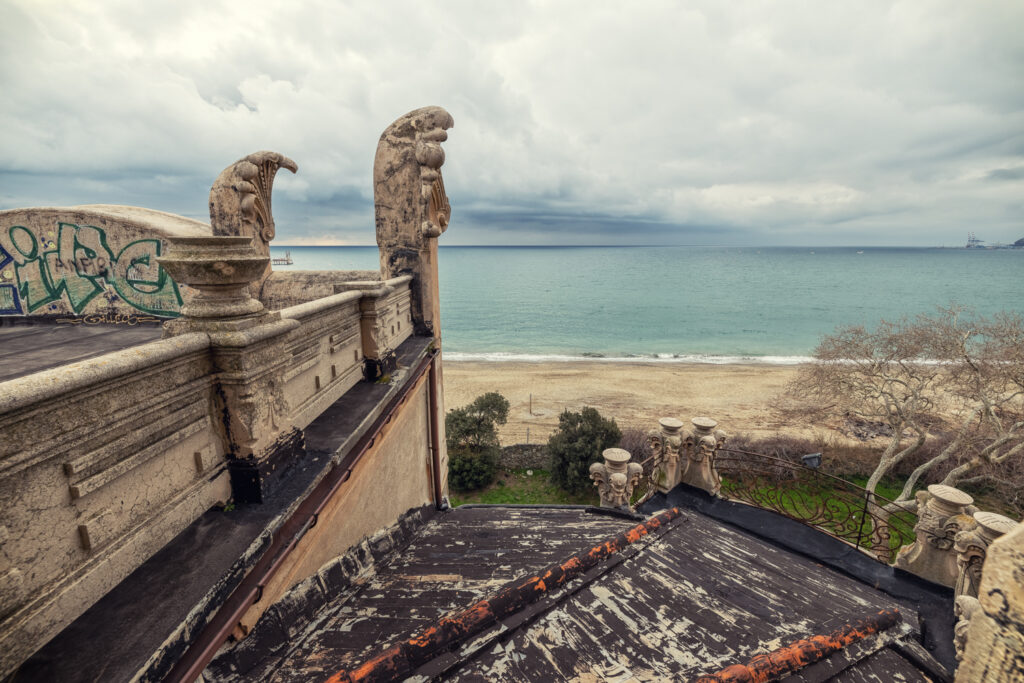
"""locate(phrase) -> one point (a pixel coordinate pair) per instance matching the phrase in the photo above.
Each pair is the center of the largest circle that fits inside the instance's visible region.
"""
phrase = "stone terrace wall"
(93, 263)
(101, 463)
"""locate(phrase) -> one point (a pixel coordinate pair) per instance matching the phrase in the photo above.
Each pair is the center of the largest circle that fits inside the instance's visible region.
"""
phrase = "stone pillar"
(995, 638)
(616, 478)
(704, 444)
(247, 342)
(667, 447)
(939, 517)
(412, 210)
(971, 546)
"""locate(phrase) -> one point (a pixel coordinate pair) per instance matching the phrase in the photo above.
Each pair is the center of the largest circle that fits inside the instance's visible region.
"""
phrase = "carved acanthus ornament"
(942, 512)
(616, 478)
(971, 545)
(240, 197)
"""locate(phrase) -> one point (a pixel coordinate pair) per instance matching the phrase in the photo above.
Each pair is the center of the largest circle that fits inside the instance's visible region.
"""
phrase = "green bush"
(577, 444)
(472, 438)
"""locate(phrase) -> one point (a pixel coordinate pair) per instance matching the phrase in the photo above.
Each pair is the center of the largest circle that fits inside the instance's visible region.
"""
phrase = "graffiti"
(109, 318)
(39, 273)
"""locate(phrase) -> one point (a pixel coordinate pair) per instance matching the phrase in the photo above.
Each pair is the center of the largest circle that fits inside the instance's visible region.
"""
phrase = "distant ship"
(973, 242)
(286, 261)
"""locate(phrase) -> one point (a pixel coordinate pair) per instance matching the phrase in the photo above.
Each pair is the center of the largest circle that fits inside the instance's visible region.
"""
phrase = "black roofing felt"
(27, 348)
(934, 603)
(687, 601)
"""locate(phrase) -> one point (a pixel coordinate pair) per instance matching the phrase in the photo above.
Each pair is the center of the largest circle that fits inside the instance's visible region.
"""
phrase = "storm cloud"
(576, 122)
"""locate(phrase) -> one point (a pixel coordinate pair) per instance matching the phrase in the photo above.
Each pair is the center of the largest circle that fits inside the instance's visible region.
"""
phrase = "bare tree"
(905, 374)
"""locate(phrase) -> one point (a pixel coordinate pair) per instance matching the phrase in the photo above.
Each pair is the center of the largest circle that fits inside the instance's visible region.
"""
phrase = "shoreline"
(635, 392)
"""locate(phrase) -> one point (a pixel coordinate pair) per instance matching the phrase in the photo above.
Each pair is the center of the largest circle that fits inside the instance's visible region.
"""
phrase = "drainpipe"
(435, 441)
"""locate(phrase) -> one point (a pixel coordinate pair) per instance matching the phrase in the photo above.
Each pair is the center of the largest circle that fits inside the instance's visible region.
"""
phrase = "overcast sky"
(751, 123)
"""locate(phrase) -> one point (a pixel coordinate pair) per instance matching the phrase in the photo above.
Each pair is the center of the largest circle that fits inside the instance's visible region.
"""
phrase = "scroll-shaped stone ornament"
(667, 447)
(616, 478)
(931, 556)
(411, 205)
(240, 202)
(700, 470)
(971, 546)
(964, 609)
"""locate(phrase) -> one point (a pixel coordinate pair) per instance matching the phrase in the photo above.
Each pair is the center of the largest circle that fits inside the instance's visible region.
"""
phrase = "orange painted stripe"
(400, 659)
(801, 653)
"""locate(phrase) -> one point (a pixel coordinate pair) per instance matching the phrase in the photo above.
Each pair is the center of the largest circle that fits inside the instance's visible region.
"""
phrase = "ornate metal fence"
(825, 502)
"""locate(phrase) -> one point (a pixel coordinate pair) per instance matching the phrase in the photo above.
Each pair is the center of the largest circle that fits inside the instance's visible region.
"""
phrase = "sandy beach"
(739, 397)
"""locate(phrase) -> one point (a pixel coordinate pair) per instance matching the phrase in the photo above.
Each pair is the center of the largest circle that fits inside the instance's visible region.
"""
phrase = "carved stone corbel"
(700, 470)
(616, 478)
(931, 556)
(412, 207)
(971, 546)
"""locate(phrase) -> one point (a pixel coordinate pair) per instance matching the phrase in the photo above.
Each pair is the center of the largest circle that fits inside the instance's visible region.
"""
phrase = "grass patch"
(519, 488)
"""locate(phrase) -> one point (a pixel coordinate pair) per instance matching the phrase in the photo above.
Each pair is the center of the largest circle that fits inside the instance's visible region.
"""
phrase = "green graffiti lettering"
(63, 271)
(141, 282)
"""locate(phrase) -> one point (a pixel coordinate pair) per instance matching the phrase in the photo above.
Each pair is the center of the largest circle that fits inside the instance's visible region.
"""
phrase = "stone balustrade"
(942, 511)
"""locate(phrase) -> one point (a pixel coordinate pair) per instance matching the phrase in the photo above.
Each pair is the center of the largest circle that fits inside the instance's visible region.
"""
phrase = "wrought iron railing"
(826, 502)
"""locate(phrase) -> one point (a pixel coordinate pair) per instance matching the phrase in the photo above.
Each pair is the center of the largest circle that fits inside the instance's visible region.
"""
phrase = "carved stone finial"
(704, 444)
(411, 205)
(616, 477)
(940, 517)
(971, 546)
(240, 197)
(667, 445)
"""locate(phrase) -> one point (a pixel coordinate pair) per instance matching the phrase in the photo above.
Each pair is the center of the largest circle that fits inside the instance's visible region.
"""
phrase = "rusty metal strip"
(400, 659)
(250, 590)
(797, 655)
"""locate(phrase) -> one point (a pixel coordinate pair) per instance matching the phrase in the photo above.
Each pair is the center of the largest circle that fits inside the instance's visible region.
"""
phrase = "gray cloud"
(741, 123)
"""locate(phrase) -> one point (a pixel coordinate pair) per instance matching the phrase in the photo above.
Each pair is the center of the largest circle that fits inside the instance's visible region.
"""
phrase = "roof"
(689, 596)
(41, 345)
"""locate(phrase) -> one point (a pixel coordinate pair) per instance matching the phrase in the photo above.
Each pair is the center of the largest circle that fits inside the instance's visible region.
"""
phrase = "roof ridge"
(400, 659)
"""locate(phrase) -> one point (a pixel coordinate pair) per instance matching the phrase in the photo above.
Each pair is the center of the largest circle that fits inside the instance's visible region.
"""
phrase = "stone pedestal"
(931, 556)
(616, 478)
(248, 351)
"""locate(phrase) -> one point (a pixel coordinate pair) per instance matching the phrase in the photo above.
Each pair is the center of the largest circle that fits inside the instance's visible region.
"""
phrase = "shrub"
(576, 444)
(472, 438)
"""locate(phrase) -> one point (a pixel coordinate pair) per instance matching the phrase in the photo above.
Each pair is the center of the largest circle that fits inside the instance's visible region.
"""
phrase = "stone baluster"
(940, 516)
(616, 477)
(704, 444)
(667, 448)
(971, 545)
(964, 609)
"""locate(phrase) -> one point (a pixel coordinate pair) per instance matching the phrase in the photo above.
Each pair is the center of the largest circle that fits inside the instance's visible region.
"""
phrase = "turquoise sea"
(687, 304)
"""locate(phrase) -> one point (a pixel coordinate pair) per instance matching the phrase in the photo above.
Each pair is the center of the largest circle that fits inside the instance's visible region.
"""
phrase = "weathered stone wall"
(285, 288)
(522, 456)
(89, 263)
(392, 477)
(101, 463)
